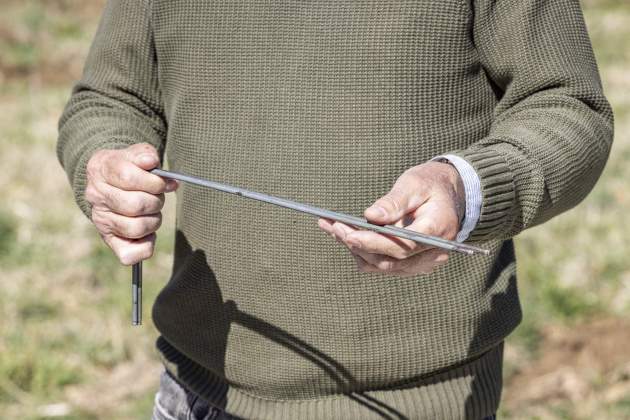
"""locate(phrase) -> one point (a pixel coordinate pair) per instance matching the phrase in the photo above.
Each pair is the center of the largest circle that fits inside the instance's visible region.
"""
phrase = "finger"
(143, 155)
(423, 263)
(381, 263)
(366, 262)
(341, 230)
(326, 225)
(126, 227)
(436, 217)
(131, 251)
(405, 196)
(126, 175)
(376, 243)
(146, 157)
(128, 203)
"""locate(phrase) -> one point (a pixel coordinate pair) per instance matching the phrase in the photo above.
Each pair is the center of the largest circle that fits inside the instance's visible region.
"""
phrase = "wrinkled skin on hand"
(127, 200)
(427, 198)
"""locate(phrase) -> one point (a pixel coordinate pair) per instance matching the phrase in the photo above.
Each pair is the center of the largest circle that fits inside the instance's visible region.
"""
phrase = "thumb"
(404, 198)
(143, 155)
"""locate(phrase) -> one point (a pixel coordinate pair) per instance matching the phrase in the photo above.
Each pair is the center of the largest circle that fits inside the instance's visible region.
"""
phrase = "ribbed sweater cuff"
(79, 176)
(497, 189)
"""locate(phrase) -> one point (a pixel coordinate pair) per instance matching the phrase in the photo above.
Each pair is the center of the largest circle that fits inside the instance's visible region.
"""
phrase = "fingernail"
(441, 258)
(171, 185)
(354, 244)
(378, 211)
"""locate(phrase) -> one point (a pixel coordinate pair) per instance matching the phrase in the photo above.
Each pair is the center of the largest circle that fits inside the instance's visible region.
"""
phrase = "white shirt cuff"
(472, 189)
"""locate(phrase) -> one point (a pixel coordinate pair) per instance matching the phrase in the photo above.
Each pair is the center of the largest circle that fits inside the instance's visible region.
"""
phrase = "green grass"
(7, 233)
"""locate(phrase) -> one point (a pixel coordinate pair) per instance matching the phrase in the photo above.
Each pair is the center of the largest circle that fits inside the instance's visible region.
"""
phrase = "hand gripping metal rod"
(315, 211)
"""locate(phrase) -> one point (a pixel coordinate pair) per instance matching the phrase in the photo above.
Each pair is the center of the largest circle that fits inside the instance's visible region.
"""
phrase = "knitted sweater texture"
(328, 102)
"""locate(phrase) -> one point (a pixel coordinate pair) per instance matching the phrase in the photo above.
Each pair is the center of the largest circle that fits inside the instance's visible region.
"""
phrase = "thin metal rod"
(136, 283)
(328, 214)
(136, 294)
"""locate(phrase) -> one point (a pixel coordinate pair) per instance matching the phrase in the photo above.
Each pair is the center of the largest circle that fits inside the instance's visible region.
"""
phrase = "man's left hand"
(427, 198)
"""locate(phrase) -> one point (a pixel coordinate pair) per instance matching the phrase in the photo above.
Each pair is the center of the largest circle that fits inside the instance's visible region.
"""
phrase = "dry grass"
(66, 347)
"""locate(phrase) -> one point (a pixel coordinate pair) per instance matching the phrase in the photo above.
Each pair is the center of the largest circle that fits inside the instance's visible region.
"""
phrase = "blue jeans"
(174, 402)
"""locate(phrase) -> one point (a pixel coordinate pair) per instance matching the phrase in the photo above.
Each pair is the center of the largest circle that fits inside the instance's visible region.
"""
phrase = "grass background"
(66, 347)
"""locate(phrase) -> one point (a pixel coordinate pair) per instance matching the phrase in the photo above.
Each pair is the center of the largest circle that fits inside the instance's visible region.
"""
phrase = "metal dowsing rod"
(434, 241)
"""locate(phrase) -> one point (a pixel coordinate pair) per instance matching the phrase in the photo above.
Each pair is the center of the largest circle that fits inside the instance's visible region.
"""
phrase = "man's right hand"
(127, 200)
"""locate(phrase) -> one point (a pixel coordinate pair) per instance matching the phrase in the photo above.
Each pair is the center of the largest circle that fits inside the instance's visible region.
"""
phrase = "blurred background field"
(67, 349)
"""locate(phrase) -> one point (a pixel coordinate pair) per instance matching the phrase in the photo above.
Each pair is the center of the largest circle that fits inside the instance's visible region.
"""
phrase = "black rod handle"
(136, 294)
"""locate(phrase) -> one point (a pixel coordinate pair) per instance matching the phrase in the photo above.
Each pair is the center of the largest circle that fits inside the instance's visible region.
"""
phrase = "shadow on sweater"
(212, 311)
(334, 369)
(501, 303)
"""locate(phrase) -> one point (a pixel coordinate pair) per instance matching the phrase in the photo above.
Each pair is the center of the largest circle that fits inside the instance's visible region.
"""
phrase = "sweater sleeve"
(553, 127)
(117, 102)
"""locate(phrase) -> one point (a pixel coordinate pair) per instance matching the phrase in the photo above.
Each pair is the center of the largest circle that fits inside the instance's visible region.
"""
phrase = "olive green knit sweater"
(328, 102)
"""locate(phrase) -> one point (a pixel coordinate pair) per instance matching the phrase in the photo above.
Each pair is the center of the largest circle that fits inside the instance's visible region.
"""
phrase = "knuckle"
(90, 193)
(430, 227)
(126, 177)
(102, 223)
(112, 201)
(390, 201)
(136, 206)
(95, 163)
(90, 169)
(140, 207)
(97, 219)
(107, 226)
